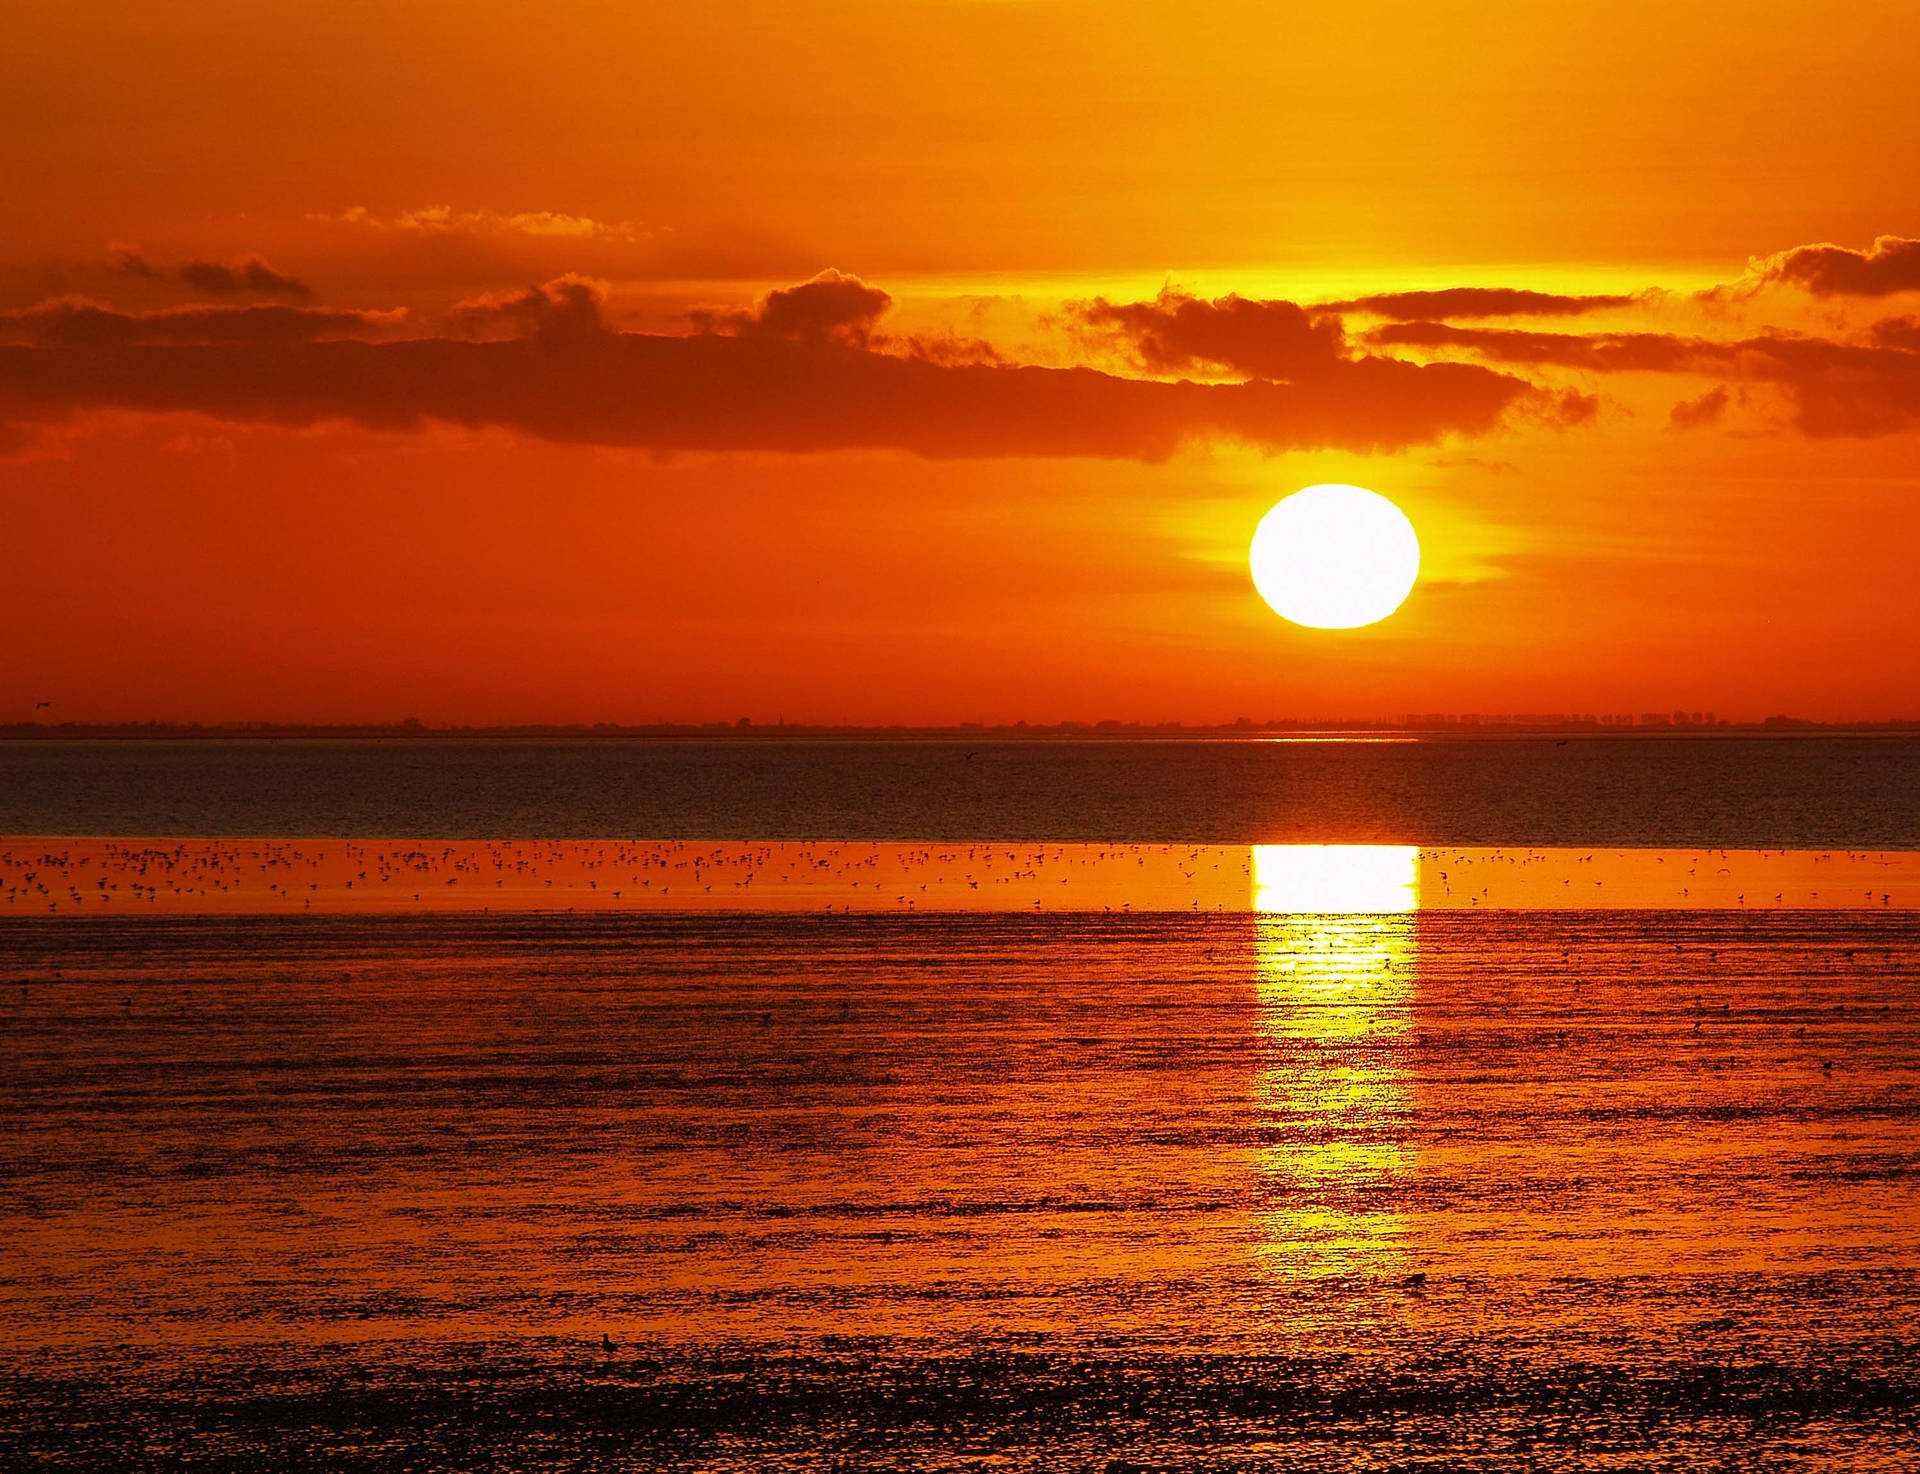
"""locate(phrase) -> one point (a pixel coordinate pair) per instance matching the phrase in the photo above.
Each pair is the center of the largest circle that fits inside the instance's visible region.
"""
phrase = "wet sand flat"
(1078, 1191)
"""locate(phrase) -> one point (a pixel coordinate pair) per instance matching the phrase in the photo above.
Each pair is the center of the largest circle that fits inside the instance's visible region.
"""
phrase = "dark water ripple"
(1737, 792)
(973, 1191)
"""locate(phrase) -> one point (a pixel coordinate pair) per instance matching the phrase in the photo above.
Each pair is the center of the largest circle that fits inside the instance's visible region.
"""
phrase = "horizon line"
(1466, 724)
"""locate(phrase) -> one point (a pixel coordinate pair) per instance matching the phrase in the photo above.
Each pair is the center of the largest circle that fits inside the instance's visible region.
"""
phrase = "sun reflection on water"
(1337, 879)
(1335, 953)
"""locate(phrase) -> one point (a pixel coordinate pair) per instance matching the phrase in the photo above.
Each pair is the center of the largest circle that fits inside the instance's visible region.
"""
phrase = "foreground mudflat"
(923, 1192)
(872, 1404)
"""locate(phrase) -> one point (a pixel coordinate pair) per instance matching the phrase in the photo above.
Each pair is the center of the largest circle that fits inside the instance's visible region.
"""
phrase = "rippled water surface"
(1734, 791)
(1418, 1190)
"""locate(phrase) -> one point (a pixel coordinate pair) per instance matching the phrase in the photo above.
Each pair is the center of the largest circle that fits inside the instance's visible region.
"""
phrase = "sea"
(1531, 1103)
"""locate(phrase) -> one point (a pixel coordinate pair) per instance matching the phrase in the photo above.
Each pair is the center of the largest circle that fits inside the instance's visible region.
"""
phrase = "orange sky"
(476, 363)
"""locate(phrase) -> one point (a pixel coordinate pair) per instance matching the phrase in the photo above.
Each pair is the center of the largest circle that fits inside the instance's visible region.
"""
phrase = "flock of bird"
(232, 875)
(215, 875)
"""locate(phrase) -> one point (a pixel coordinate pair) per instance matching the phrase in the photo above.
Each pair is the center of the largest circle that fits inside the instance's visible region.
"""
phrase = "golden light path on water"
(1335, 955)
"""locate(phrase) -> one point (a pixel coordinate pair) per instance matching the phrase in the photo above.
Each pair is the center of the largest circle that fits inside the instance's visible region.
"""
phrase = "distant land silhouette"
(1673, 724)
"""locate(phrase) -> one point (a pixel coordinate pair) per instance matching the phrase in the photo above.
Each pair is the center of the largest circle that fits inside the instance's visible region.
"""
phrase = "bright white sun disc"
(1335, 557)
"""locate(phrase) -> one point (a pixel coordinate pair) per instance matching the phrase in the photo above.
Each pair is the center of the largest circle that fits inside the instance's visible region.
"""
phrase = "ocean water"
(1741, 792)
(441, 1106)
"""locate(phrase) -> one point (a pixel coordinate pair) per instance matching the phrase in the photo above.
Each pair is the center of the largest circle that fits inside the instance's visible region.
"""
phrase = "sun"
(1335, 557)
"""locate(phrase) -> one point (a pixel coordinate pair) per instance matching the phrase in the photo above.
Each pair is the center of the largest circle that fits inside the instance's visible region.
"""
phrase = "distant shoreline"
(1772, 727)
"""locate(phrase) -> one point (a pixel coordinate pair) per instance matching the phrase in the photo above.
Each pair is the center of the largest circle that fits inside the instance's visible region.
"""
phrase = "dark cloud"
(1600, 352)
(1896, 332)
(1891, 264)
(249, 275)
(756, 391)
(832, 307)
(1180, 334)
(569, 306)
(1839, 389)
(75, 321)
(947, 348)
(807, 368)
(1836, 388)
(1692, 414)
(1570, 407)
(130, 261)
(1274, 340)
(1450, 302)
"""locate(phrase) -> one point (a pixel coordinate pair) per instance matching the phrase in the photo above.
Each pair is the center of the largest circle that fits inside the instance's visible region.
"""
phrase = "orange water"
(929, 1191)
